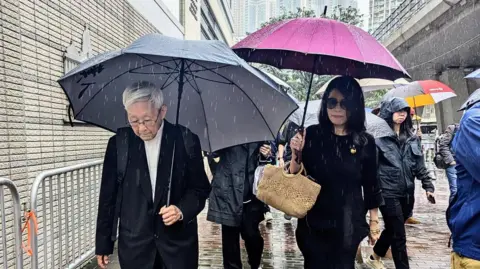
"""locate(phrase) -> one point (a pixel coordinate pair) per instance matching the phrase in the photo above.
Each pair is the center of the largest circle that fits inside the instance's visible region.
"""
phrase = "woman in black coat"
(400, 161)
(341, 157)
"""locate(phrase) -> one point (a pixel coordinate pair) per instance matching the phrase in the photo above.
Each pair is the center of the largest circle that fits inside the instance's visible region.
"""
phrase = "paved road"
(427, 242)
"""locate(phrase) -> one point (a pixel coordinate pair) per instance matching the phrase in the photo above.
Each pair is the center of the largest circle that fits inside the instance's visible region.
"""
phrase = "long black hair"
(353, 96)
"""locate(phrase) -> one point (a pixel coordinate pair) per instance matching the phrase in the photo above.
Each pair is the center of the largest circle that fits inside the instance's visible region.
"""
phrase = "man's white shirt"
(152, 150)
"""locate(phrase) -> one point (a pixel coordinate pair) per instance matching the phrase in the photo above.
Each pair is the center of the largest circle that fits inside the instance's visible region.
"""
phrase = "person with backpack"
(135, 193)
(446, 157)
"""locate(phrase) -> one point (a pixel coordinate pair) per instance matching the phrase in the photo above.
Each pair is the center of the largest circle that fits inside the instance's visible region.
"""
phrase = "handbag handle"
(287, 166)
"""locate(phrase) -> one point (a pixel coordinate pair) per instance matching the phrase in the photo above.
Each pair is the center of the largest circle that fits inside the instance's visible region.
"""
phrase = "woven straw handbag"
(293, 194)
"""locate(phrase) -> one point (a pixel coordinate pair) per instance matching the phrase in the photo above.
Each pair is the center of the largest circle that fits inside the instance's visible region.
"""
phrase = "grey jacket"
(444, 144)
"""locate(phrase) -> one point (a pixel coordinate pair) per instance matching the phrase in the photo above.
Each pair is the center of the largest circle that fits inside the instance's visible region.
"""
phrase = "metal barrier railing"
(65, 201)
(398, 17)
(10, 223)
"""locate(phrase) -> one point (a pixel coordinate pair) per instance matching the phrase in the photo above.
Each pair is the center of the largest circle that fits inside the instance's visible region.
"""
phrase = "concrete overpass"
(437, 39)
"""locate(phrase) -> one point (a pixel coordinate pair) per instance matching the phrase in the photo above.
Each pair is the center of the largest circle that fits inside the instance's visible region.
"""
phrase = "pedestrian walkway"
(427, 242)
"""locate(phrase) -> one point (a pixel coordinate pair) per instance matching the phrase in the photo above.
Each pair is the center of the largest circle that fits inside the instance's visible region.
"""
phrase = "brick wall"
(33, 37)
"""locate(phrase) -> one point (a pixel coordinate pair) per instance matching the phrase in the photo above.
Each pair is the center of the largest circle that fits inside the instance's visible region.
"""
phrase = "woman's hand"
(297, 143)
(374, 234)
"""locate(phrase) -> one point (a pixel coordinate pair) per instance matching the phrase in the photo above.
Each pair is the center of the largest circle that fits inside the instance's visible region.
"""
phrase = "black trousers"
(395, 212)
(324, 249)
(250, 233)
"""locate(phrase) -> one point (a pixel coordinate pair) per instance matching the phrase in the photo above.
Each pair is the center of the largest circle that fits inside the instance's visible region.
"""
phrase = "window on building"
(175, 7)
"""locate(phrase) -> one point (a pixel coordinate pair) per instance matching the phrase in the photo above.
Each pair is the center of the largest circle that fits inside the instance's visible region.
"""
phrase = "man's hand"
(453, 163)
(102, 261)
(170, 215)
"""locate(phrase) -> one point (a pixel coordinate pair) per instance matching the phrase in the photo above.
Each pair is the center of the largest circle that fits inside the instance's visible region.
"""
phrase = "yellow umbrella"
(416, 117)
(422, 93)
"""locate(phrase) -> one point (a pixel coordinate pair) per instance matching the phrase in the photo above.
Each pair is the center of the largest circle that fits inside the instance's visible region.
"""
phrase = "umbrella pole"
(180, 92)
(308, 93)
(302, 126)
(415, 109)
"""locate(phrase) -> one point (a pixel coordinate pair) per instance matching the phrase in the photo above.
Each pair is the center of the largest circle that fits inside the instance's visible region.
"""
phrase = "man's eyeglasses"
(146, 123)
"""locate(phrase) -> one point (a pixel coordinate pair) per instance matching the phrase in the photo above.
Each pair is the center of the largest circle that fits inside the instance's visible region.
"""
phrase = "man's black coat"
(142, 232)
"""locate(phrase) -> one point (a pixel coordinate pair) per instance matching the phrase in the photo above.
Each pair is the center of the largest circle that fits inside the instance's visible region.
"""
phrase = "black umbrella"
(223, 99)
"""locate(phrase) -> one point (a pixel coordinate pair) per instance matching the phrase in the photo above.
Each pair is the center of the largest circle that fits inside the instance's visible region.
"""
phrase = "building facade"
(379, 10)
(239, 13)
(40, 41)
(216, 20)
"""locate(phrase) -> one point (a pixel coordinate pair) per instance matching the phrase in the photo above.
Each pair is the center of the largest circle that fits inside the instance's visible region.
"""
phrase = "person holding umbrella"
(400, 161)
(339, 155)
(151, 236)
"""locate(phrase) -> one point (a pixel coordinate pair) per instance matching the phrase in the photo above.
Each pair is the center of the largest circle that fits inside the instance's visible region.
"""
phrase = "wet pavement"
(427, 242)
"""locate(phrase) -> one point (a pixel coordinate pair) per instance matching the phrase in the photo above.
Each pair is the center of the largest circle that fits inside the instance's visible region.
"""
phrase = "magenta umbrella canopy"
(320, 46)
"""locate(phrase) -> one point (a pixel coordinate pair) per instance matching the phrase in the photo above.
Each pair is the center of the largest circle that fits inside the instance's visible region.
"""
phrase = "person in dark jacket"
(151, 235)
(339, 155)
(233, 205)
(463, 215)
(284, 137)
(445, 150)
(400, 161)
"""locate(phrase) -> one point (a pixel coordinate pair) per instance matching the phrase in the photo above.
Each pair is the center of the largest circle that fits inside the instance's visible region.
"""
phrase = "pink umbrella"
(320, 46)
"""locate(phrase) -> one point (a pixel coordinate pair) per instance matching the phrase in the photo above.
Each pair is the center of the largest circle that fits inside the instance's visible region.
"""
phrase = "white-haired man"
(150, 234)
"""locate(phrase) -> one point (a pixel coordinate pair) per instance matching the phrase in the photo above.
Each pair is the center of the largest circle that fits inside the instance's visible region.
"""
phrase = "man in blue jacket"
(464, 213)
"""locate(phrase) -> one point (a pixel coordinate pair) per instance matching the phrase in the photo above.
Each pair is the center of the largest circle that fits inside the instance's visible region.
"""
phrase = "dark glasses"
(332, 103)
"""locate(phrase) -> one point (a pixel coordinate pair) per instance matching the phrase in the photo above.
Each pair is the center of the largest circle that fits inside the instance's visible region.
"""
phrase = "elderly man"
(151, 235)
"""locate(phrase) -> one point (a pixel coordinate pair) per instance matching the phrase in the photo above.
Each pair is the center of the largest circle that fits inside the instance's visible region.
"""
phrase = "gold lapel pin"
(353, 150)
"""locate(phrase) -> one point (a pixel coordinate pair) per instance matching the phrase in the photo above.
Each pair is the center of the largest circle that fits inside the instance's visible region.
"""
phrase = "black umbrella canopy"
(223, 100)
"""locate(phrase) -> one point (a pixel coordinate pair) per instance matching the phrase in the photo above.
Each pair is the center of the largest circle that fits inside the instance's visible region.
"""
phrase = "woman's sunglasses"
(332, 103)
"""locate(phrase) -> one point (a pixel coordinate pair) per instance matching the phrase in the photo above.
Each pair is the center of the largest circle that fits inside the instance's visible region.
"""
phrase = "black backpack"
(121, 140)
(438, 158)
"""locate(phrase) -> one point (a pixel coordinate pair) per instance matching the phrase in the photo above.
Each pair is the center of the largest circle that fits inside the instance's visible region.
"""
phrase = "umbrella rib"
(209, 69)
(255, 105)
(204, 113)
(189, 80)
(211, 80)
(113, 79)
(164, 86)
(149, 73)
(158, 63)
(203, 110)
(100, 90)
